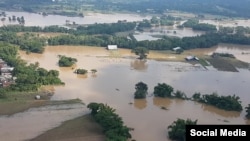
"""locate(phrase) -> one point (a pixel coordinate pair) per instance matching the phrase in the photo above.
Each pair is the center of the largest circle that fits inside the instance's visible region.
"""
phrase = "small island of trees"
(65, 61)
(141, 90)
(229, 103)
(177, 130)
(81, 71)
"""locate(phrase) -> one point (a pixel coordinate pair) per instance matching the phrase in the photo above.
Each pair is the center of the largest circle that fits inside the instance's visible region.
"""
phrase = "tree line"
(229, 103)
(177, 130)
(112, 123)
(100, 28)
(82, 36)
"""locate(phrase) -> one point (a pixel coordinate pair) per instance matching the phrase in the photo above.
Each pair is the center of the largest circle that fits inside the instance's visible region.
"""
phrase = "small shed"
(112, 47)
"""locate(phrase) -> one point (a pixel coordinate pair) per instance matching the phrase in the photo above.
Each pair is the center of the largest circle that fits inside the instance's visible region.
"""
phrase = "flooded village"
(112, 72)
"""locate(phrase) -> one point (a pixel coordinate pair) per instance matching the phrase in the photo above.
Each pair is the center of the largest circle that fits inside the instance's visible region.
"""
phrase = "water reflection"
(220, 112)
(140, 65)
(82, 76)
(140, 103)
(162, 102)
(241, 52)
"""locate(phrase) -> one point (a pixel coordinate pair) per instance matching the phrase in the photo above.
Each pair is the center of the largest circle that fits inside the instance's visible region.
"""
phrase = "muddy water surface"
(28, 124)
(116, 77)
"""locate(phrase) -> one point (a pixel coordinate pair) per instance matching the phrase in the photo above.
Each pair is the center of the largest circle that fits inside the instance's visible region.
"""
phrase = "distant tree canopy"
(81, 71)
(141, 90)
(230, 103)
(163, 90)
(177, 130)
(195, 25)
(27, 42)
(110, 121)
(65, 61)
(32, 43)
(141, 52)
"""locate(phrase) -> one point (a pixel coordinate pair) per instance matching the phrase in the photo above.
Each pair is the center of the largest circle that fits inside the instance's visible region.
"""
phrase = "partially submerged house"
(5, 74)
(192, 58)
(112, 47)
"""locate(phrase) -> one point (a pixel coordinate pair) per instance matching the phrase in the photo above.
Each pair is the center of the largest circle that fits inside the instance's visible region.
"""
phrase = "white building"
(112, 47)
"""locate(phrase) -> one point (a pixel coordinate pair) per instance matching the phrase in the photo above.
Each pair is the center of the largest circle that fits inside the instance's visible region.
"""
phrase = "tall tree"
(140, 90)
(163, 90)
(177, 130)
(141, 52)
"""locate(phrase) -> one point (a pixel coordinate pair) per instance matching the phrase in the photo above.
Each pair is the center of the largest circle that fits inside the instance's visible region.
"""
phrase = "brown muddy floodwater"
(114, 82)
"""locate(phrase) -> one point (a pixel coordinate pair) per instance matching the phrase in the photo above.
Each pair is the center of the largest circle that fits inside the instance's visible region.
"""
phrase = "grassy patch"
(80, 129)
(222, 64)
(228, 64)
(203, 62)
(18, 102)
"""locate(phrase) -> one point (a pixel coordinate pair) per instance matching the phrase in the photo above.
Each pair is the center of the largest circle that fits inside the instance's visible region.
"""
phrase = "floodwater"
(241, 52)
(227, 23)
(166, 31)
(114, 84)
(33, 19)
(27, 125)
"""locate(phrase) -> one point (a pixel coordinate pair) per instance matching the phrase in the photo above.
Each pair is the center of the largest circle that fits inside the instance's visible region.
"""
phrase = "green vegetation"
(27, 42)
(81, 71)
(144, 24)
(195, 25)
(65, 61)
(223, 64)
(106, 28)
(141, 90)
(177, 130)
(28, 77)
(248, 111)
(179, 94)
(111, 122)
(163, 90)
(230, 103)
(93, 71)
(95, 35)
(222, 55)
(141, 52)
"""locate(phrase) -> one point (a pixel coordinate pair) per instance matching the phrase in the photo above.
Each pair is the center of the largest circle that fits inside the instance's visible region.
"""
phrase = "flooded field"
(227, 23)
(33, 19)
(119, 71)
(28, 124)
